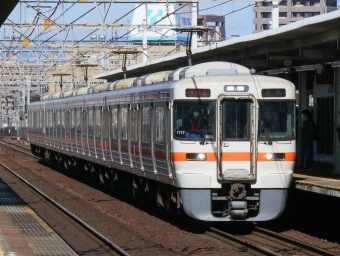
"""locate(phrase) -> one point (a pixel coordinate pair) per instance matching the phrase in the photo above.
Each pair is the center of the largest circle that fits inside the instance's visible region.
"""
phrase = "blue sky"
(238, 17)
(237, 22)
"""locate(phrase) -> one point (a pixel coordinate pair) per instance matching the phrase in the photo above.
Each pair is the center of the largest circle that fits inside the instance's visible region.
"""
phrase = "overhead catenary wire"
(108, 42)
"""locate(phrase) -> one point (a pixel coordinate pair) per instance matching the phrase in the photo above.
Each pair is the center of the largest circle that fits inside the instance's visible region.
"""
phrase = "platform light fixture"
(305, 68)
(335, 64)
(125, 52)
(61, 78)
(86, 66)
(277, 71)
(189, 38)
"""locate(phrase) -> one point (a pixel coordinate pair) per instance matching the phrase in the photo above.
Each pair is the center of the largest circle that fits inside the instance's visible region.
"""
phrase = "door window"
(235, 118)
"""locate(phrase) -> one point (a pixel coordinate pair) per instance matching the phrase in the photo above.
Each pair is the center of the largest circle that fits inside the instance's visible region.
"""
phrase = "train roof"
(213, 68)
(161, 91)
(124, 83)
(153, 78)
(208, 68)
(99, 88)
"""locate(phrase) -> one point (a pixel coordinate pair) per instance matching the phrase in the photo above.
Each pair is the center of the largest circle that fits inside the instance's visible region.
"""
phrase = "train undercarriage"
(233, 202)
(163, 195)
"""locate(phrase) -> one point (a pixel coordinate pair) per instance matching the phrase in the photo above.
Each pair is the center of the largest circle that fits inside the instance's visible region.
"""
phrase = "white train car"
(212, 139)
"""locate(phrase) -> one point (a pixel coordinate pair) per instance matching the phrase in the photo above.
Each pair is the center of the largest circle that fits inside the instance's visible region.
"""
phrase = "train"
(214, 140)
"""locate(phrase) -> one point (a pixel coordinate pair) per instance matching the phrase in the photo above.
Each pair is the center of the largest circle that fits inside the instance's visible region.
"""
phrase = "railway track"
(265, 242)
(259, 242)
(83, 230)
(22, 149)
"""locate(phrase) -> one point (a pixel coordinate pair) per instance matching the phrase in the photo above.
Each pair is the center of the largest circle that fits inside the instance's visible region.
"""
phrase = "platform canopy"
(7, 7)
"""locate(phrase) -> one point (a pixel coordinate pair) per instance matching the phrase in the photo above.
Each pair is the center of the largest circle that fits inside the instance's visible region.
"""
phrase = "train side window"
(34, 114)
(114, 114)
(51, 121)
(62, 121)
(97, 122)
(78, 118)
(29, 119)
(134, 119)
(124, 128)
(146, 126)
(106, 122)
(90, 116)
(160, 125)
(67, 121)
(73, 122)
(58, 121)
(42, 121)
(84, 124)
(47, 121)
(55, 121)
(38, 119)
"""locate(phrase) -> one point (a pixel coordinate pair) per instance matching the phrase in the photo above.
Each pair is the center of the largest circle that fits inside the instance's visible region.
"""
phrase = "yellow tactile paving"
(320, 185)
(23, 232)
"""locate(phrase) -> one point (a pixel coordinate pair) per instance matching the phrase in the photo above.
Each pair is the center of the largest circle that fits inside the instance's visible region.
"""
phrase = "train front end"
(233, 146)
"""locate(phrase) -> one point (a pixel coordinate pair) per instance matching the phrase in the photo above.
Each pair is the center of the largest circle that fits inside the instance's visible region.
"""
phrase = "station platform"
(320, 179)
(22, 232)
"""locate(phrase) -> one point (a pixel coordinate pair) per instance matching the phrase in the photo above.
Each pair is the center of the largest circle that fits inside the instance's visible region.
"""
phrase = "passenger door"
(68, 129)
(124, 135)
(161, 151)
(146, 153)
(236, 141)
(84, 132)
(78, 130)
(98, 133)
(115, 139)
(106, 130)
(135, 137)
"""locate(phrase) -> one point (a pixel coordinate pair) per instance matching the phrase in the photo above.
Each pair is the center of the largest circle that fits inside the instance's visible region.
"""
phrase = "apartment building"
(290, 11)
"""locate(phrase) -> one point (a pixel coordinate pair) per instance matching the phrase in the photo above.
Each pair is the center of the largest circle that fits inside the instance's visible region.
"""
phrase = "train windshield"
(194, 120)
(276, 120)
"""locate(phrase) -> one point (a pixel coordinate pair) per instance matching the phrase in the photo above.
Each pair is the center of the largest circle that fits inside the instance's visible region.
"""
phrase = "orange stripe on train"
(231, 156)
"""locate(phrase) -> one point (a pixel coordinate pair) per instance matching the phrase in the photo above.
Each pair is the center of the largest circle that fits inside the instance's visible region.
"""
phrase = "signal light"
(26, 41)
(47, 23)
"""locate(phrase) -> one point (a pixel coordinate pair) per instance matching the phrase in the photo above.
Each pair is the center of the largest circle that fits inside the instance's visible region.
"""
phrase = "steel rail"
(240, 242)
(279, 238)
(11, 147)
(94, 232)
(303, 247)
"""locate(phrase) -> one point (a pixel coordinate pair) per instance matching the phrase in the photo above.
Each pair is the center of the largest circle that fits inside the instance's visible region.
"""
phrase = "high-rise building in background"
(290, 11)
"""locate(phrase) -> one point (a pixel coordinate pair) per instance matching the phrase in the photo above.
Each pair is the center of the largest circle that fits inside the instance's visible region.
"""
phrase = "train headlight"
(196, 157)
(275, 156)
(236, 88)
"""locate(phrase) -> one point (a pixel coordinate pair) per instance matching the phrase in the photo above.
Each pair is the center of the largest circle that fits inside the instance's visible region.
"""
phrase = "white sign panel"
(161, 30)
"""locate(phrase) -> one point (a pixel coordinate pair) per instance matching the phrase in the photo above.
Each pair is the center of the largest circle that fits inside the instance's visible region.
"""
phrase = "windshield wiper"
(266, 134)
(204, 134)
